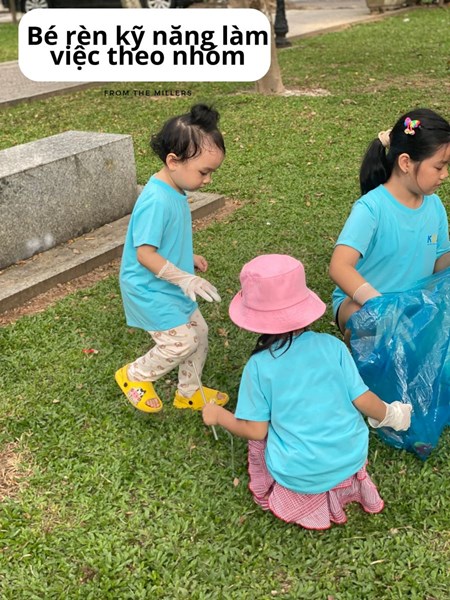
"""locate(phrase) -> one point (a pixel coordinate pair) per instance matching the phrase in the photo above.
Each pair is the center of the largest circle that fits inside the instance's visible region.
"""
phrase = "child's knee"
(347, 337)
(199, 326)
(345, 311)
(194, 341)
(182, 348)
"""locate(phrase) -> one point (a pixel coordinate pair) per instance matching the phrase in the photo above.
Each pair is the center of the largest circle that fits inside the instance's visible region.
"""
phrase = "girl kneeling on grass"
(157, 278)
(397, 232)
(300, 403)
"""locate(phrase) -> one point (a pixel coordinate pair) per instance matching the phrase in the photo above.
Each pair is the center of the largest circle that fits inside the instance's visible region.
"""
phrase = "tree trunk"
(12, 8)
(131, 4)
(272, 82)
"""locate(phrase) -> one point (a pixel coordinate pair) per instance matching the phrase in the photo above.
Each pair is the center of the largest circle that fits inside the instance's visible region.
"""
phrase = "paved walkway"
(313, 16)
(304, 17)
(17, 88)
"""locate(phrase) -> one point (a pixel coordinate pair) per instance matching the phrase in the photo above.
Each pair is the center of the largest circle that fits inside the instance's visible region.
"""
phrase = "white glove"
(398, 416)
(365, 292)
(190, 284)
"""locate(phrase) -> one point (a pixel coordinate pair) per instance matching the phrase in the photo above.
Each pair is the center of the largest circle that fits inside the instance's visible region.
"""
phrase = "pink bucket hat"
(274, 297)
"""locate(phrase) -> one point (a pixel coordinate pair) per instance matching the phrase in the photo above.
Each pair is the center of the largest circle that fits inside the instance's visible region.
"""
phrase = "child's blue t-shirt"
(161, 217)
(398, 245)
(316, 437)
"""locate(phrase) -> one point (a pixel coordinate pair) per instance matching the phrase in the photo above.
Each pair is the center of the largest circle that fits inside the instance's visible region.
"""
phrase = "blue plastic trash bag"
(401, 346)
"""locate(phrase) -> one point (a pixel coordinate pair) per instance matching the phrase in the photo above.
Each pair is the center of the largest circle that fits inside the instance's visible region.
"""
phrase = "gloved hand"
(190, 284)
(398, 416)
(365, 292)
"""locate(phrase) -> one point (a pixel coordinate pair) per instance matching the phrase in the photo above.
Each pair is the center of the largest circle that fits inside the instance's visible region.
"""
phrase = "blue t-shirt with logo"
(316, 437)
(398, 245)
(161, 217)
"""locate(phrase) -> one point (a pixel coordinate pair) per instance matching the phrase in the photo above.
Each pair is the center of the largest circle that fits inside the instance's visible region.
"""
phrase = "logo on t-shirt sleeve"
(432, 239)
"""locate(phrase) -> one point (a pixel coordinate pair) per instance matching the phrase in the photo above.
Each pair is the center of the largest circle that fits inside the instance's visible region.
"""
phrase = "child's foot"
(141, 394)
(195, 402)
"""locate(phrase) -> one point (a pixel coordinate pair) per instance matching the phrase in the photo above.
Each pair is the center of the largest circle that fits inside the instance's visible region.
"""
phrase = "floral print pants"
(182, 347)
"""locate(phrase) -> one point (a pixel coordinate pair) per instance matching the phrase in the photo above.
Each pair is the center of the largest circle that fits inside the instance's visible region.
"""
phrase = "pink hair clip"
(411, 125)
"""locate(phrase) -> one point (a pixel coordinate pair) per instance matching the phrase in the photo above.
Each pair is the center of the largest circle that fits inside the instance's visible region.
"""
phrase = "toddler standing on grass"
(157, 281)
(301, 403)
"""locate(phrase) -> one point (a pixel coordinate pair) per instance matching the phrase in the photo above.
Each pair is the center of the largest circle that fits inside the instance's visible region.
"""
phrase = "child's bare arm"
(343, 272)
(342, 269)
(251, 430)
(370, 405)
(442, 262)
(150, 259)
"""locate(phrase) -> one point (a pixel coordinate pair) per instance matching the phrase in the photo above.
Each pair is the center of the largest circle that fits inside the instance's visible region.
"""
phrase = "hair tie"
(385, 138)
(411, 125)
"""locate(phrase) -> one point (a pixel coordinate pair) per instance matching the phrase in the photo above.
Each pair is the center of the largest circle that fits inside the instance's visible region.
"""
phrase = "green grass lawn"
(8, 42)
(118, 506)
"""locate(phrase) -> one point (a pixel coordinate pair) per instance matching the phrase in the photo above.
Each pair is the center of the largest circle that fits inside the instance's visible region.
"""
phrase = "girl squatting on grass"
(397, 232)
(157, 281)
(300, 403)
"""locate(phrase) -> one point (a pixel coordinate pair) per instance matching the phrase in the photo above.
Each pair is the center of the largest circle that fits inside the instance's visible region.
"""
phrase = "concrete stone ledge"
(21, 282)
(59, 187)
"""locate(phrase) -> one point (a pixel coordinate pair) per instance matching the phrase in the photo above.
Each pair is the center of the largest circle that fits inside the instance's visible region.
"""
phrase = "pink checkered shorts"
(311, 511)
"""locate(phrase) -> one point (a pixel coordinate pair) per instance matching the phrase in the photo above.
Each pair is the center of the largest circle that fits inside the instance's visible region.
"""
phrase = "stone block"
(60, 187)
(382, 5)
(27, 279)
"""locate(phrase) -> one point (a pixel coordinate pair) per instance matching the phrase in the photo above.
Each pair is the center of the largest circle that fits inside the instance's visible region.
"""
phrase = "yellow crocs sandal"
(138, 392)
(196, 402)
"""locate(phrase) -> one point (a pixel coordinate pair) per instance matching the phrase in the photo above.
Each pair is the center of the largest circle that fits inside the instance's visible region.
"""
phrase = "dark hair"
(185, 135)
(273, 341)
(379, 162)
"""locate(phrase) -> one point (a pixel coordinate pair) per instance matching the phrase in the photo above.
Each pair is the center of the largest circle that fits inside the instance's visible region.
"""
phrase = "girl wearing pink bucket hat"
(300, 403)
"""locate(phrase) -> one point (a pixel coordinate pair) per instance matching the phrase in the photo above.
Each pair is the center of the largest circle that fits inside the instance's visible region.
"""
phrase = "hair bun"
(204, 116)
